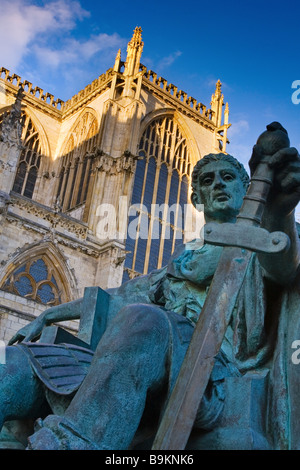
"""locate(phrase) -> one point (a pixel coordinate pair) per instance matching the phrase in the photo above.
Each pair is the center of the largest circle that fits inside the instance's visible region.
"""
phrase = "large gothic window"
(30, 160)
(160, 193)
(36, 279)
(76, 168)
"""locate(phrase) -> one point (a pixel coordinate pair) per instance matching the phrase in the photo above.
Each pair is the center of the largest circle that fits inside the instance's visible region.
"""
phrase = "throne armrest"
(93, 312)
(55, 334)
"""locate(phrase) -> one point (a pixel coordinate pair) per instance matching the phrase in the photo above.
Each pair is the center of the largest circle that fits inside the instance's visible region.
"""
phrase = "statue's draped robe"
(263, 326)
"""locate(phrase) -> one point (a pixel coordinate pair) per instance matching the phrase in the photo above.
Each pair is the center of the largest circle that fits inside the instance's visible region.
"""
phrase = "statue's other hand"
(286, 188)
(28, 332)
(285, 193)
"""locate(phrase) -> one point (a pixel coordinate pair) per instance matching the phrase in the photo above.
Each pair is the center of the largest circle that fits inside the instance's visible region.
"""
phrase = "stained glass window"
(76, 167)
(36, 279)
(30, 160)
(162, 178)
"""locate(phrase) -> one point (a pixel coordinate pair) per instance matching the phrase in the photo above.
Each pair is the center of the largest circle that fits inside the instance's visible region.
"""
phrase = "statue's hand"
(285, 193)
(30, 331)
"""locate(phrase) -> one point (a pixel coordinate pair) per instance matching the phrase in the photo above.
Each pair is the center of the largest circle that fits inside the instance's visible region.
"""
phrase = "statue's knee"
(145, 320)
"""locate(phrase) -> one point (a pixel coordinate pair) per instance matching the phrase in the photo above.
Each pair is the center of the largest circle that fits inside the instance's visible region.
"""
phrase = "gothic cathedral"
(75, 175)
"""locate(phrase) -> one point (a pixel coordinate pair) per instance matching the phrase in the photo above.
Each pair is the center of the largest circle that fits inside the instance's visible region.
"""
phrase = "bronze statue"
(118, 393)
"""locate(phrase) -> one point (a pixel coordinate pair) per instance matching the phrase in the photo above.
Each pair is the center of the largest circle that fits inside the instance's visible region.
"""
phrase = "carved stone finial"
(217, 101)
(137, 37)
(218, 89)
(134, 52)
(117, 61)
(218, 92)
(11, 128)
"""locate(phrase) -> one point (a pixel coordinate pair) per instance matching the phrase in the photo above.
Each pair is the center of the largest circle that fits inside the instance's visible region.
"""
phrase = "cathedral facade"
(76, 175)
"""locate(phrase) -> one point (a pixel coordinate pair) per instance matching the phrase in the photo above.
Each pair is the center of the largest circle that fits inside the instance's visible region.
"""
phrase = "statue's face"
(221, 191)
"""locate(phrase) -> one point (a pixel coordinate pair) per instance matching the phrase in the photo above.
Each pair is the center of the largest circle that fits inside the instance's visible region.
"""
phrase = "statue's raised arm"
(283, 197)
(59, 313)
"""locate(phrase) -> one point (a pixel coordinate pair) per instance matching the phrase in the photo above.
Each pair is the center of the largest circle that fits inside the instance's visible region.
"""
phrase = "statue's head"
(219, 182)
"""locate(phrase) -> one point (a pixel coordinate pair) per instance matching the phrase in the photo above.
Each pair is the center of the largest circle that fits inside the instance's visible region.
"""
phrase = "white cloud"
(240, 141)
(43, 43)
(167, 61)
(240, 151)
(23, 22)
(65, 13)
(73, 51)
(239, 128)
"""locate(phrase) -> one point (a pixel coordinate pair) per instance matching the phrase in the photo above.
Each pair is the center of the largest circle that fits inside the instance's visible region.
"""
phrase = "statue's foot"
(56, 433)
(45, 439)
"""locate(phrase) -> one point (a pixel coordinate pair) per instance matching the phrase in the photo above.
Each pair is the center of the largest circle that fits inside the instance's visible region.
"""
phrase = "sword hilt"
(246, 233)
(255, 200)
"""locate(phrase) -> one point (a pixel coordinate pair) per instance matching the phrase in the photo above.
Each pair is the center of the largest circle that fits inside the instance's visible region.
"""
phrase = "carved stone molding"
(6, 166)
(55, 219)
(55, 237)
(112, 165)
(4, 201)
(77, 246)
(115, 252)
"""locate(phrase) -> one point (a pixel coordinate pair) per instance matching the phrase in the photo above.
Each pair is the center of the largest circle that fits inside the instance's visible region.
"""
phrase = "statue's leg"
(131, 361)
(21, 393)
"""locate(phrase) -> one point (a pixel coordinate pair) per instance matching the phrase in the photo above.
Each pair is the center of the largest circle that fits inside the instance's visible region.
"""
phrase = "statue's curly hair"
(216, 157)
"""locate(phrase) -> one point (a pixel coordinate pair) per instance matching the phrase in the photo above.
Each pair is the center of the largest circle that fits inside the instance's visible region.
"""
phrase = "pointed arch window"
(36, 279)
(30, 160)
(76, 165)
(162, 178)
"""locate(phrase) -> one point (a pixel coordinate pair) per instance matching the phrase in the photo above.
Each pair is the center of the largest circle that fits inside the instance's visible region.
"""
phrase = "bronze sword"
(237, 239)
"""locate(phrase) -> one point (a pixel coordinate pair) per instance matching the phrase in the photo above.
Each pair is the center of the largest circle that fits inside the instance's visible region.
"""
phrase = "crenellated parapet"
(14, 82)
(150, 78)
(97, 86)
(36, 92)
(179, 95)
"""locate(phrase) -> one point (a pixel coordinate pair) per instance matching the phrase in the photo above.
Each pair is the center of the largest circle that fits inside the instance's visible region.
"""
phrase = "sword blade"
(181, 410)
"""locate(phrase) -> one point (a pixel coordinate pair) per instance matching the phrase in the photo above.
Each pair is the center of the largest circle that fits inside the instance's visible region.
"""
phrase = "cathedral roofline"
(167, 91)
(132, 67)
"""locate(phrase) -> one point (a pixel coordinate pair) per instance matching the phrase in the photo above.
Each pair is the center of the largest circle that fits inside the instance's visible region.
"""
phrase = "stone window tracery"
(36, 279)
(76, 165)
(30, 160)
(162, 177)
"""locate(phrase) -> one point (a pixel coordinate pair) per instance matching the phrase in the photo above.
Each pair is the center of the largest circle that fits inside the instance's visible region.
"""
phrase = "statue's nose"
(219, 183)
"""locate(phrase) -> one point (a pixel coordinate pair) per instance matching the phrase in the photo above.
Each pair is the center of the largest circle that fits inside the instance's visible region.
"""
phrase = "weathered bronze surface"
(110, 387)
(208, 336)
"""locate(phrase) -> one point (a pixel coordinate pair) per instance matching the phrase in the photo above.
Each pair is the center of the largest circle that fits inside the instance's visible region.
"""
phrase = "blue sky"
(251, 46)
